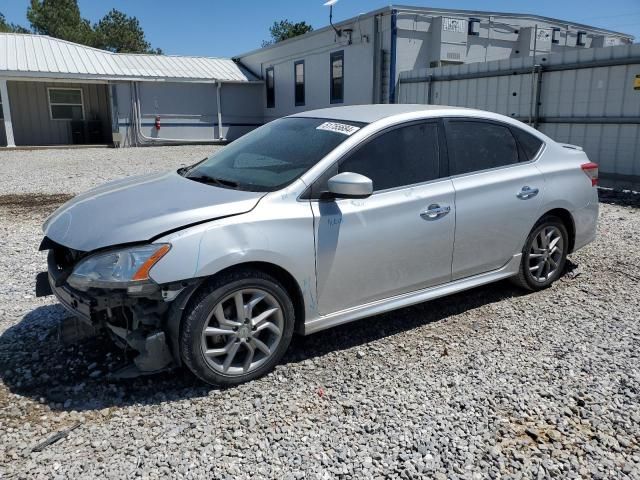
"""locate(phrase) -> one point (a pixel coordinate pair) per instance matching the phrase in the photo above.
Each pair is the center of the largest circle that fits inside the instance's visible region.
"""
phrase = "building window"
(66, 104)
(271, 88)
(337, 77)
(474, 26)
(298, 70)
(555, 35)
(582, 39)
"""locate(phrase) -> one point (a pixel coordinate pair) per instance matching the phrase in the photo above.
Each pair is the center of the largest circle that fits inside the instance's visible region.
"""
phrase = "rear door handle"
(435, 211)
(527, 193)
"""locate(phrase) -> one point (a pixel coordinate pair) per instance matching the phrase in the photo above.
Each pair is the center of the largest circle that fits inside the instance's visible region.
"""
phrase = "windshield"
(272, 156)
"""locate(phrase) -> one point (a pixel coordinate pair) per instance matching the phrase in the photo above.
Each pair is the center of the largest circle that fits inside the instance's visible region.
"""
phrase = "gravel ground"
(38, 171)
(488, 383)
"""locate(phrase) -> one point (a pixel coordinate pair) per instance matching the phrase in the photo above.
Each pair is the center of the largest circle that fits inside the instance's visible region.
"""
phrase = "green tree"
(118, 32)
(10, 27)
(285, 29)
(60, 19)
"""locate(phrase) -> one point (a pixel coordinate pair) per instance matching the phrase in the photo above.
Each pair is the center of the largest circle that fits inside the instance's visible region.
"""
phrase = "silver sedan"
(312, 221)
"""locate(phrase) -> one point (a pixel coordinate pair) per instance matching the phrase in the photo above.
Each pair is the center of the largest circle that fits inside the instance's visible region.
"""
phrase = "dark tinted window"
(337, 77)
(477, 146)
(271, 88)
(403, 156)
(299, 79)
(529, 144)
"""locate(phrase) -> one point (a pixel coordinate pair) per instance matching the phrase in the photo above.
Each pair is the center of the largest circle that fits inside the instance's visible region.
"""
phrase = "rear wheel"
(544, 254)
(237, 328)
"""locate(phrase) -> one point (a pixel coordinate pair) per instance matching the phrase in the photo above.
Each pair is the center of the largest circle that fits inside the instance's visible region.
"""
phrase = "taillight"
(591, 170)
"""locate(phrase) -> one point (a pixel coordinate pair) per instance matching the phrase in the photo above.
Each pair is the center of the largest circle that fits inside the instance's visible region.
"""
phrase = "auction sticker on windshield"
(338, 128)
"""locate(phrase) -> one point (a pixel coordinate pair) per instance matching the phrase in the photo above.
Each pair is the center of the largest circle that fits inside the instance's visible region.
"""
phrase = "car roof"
(373, 113)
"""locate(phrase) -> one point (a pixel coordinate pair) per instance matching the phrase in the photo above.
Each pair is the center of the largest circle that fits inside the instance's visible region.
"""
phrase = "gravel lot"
(488, 383)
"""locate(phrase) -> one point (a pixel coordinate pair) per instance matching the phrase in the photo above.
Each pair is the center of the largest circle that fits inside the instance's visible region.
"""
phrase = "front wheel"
(544, 254)
(237, 328)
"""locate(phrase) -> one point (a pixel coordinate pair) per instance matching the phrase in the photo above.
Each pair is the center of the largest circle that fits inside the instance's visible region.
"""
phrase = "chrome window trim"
(392, 190)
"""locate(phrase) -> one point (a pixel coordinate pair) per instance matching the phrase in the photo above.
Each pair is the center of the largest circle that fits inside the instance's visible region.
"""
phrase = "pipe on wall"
(376, 59)
(143, 139)
(218, 96)
(393, 59)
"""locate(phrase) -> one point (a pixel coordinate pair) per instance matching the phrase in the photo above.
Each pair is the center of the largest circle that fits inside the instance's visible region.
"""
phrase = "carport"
(58, 93)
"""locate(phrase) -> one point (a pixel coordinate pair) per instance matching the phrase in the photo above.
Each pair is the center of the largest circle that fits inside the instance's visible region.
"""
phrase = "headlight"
(117, 268)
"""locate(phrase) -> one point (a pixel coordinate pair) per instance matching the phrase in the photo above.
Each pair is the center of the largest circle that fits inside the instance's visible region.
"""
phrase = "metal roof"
(26, 55)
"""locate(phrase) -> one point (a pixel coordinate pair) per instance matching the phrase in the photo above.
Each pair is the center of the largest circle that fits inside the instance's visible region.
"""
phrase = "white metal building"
(55, 92)
(360, 61)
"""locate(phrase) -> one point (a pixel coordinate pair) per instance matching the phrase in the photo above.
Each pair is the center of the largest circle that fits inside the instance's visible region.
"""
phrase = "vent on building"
(474, 26)
(582, 39)
(453, 56)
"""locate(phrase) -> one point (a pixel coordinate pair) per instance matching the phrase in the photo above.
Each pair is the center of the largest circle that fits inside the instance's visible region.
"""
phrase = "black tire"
(525, 277)
(199, 309)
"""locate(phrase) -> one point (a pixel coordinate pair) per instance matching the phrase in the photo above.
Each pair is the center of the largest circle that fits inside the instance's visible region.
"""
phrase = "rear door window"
(478, 145)
(399, 157)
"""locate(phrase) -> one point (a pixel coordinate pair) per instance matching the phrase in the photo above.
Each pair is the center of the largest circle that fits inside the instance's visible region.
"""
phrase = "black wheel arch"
(567, 220)
(182, 301)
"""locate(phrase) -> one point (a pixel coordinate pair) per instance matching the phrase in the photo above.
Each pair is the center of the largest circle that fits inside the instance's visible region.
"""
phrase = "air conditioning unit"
(532, 38)
(449, 40)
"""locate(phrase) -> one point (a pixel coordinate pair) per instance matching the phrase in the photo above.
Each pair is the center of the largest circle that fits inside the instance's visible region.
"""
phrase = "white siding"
(315, 49)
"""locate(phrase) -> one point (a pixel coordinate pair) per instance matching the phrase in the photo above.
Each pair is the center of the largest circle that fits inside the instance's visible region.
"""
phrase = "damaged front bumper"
(141, 319)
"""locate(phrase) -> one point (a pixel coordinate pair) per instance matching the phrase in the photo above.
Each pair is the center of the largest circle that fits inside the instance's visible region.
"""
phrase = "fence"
(587, 97)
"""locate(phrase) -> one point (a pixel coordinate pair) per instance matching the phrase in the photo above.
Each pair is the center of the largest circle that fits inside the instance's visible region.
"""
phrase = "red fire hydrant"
(157, 122)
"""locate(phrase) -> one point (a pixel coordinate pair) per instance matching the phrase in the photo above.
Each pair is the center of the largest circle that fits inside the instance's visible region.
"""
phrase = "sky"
(224, 28)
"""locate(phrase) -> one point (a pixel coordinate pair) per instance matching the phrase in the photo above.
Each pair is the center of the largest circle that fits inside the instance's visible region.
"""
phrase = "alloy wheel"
(242, 331)
(545, 254)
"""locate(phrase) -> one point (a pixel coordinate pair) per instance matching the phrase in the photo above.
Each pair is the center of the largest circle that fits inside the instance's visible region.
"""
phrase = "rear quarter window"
(530, 145)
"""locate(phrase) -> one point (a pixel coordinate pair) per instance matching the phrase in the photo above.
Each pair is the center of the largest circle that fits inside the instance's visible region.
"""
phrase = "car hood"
(137, 209)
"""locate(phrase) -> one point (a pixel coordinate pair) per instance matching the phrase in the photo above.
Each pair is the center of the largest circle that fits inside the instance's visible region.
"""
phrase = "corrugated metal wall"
(32, 124)
(583, 98)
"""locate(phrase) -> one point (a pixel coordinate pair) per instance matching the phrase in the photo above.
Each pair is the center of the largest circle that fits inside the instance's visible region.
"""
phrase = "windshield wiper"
(184, 170)
(213, 181)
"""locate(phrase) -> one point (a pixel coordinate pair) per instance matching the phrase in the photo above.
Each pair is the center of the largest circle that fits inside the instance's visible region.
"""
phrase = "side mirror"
(350, 185)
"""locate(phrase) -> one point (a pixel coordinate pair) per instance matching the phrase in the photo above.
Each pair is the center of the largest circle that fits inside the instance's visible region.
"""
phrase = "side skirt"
(412, 298)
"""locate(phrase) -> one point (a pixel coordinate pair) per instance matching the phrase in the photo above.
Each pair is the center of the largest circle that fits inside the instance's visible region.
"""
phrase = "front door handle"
(435, 211)
(527, 193)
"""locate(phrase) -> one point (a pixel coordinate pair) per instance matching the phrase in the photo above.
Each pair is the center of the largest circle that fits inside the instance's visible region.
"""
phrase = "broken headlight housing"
(117, 268)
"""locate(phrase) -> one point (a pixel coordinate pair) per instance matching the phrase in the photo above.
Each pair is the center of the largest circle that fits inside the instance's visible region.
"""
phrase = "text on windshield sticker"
(338, 128)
